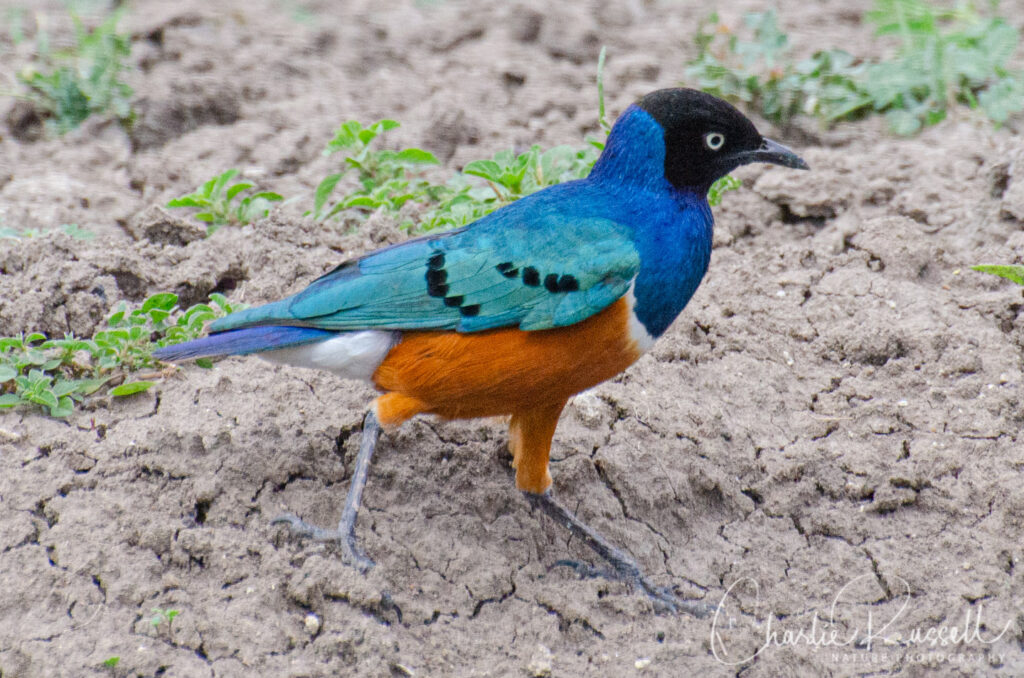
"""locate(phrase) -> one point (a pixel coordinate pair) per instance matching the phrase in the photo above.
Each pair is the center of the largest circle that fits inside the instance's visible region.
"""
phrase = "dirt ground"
(826, 445)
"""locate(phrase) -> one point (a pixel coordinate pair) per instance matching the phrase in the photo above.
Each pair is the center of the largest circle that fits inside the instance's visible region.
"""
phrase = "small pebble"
(540, 663)
(312, 623)
(642, 663)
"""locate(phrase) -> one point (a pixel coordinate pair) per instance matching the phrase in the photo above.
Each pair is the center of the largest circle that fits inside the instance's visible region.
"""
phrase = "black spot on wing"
(507, 269)
(470, 311)
(531, 277)
(437, 276)
(551, 282)
(568, 283)
(454, 301)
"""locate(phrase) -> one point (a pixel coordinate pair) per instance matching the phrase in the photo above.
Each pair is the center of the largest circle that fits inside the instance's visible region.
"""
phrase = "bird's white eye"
(714, 140)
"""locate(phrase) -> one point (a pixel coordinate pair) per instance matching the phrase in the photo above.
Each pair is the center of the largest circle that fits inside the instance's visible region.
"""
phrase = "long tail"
(243, 342)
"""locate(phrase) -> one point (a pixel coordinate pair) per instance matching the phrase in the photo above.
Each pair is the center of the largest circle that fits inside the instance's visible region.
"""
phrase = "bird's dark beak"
(774, 153)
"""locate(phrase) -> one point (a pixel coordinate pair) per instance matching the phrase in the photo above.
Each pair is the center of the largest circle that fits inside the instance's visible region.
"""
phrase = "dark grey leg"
(624, 567)
(345, 534)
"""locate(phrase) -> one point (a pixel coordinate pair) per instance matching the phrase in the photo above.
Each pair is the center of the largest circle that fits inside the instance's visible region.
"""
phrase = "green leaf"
(417, 156)
(323, 191)
(7, 373)
(204, 363)
(903, 122)
(131, 388)
(164, 301)
(10, 400)
(236, 189)
(488, 169)
(62, 387)
(220, 182)
(89, 386)
(64, 408)
(44, 397)
(1009, 272)
(188, 201)
(76, 232)
(361, 201)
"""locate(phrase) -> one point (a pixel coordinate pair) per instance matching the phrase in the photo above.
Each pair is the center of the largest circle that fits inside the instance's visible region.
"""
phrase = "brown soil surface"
(836, 417)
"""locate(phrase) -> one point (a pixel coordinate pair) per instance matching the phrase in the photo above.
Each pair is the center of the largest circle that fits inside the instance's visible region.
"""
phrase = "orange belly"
(529, 375)
(500, 372)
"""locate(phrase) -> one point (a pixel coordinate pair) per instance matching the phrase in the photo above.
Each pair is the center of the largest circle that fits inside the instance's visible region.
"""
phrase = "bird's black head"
(706, 138)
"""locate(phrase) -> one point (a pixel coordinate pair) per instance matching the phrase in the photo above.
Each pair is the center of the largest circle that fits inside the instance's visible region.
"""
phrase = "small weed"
(72, 84)
(1013, 273)
(162, 616)
(390, 179)
(219, 207)
(55, 374)
(944, 57)
(77, 232)
(726, 183)
(111, 662)
(513, 176)
(73, 230)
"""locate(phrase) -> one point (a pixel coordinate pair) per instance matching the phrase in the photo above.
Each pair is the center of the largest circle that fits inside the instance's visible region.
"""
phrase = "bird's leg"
(345, 534)
(623, 566)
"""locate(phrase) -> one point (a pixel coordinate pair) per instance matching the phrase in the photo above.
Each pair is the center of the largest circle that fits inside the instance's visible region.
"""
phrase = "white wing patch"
(350, 355)
(637, 332)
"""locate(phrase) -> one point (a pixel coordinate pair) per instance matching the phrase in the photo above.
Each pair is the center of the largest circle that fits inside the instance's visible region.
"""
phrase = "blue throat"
(672, 226)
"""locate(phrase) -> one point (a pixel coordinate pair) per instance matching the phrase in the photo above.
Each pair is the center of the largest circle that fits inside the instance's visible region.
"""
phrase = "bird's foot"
(623, 567)
(344, 536)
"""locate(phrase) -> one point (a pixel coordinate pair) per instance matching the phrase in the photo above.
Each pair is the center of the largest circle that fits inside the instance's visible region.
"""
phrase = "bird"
(515, 313)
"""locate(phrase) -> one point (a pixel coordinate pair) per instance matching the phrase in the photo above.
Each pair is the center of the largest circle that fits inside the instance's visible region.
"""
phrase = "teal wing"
(542, 274)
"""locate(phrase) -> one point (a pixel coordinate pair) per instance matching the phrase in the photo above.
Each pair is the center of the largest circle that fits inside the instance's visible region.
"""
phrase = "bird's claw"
(667, 602)
(584, 570)
(345, 539)
(664, 600)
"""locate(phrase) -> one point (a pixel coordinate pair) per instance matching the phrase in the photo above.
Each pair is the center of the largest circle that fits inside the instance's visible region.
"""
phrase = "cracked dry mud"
(836, 416)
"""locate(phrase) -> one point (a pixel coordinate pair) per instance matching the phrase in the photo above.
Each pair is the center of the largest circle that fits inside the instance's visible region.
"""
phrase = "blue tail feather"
(243, 342)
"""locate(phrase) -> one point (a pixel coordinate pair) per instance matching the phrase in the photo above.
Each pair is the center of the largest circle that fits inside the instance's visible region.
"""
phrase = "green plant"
(726, 183)
(111, 662)
(55, 374)
(85, 79)
(513, 176)
(388, 179)
(1013, 273)
(73, 230)
(217, 202)
(944, 57)
(162, 616)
